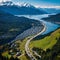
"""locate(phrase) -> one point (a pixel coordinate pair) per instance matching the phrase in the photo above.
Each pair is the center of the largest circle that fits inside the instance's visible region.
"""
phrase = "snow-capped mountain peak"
(10, 3)
(19, 8)
(27, 5)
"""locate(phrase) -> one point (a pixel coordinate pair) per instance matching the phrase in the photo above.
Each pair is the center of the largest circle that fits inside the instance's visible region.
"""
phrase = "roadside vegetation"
(16, 49)
(48, 47)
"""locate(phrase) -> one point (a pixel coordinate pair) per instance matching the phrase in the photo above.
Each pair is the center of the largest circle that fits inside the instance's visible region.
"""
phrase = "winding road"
(28, 41)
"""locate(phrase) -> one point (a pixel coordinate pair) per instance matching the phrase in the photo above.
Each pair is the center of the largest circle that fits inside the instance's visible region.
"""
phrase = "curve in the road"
(28, 41)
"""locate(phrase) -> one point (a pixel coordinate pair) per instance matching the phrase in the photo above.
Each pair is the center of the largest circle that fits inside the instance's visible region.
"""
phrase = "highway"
(28, 41)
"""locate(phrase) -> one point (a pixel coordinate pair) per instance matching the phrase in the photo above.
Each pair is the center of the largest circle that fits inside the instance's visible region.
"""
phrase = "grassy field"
(46, 42)
(5, 54)
(23, 58)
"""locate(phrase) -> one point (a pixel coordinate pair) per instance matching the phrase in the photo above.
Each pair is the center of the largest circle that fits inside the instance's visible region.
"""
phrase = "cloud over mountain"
(4, 0)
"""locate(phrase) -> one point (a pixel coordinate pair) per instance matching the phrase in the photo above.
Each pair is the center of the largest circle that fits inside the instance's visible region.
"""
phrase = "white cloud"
(4, 0)
(57, 7)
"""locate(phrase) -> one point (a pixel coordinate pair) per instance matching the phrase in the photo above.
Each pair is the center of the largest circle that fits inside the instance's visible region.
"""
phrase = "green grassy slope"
(46, 42)
(48, 47)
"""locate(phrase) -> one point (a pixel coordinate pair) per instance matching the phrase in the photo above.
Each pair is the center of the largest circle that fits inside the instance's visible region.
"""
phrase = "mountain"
(51, 10)
(22, 9)
(27, 5)
(53, 18)
(11, 26)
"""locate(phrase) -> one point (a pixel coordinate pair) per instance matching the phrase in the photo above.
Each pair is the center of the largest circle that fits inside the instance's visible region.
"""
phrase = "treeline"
(54, 53)
(49, 54)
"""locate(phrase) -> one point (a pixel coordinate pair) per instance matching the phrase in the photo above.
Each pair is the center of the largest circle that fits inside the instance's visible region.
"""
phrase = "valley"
(43, 42)
(11, 26)
(29, 32)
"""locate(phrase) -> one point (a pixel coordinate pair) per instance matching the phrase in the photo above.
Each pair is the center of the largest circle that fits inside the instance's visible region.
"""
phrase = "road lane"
(28, 41)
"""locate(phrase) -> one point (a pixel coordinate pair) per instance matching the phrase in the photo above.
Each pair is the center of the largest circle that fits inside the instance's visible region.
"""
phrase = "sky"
(39, 2)
(54, 2)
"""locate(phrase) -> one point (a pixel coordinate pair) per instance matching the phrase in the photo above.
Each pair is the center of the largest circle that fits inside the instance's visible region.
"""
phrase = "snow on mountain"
(7, 3)
(20, 8)
(27, 5)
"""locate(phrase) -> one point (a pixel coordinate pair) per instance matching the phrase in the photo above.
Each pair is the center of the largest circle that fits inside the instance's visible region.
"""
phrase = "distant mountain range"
(23, 9)
(51, 10)
(53, 18)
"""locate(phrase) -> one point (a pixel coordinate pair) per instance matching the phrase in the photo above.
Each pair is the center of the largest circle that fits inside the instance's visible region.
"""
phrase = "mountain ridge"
(23, 9)
(53, 18)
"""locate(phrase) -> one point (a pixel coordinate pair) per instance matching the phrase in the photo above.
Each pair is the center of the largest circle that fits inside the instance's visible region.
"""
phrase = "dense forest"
(11, 26)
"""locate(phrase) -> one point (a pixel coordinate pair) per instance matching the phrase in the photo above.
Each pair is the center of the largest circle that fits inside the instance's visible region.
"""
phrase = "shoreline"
(28, 41)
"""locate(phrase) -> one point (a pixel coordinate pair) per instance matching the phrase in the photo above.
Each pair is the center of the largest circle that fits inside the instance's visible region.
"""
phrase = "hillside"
(11, 26)
(53, 18)
(48, 47)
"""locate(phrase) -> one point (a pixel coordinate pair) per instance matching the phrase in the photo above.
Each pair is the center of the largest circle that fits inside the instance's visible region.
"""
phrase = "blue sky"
(40, 2)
